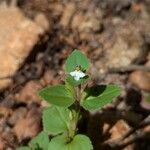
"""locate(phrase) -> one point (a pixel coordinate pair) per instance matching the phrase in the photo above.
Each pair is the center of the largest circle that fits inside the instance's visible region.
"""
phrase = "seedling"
(60, 119)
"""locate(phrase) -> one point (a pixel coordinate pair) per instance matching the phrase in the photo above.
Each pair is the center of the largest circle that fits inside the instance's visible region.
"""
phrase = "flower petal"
(73, 73)
(77, 78)
(81, 74)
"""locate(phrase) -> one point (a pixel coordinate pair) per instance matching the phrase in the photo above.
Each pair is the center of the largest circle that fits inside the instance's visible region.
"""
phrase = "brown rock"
(119, 129)
(129, 147)
(29, 93)
(29, 126)
(141, 79)
(18, 35)
(137, 7)
(17, 115)
(42, 21)
(2, 143)
(69, 11)
(7, 141)
(106, 127)
(86, 23)
(5, 112)
(121, 43)
(148, 60)
(121, 55)
(36, 5)
(57, 8)
(49, 78)
(2, 124)
(147, 129)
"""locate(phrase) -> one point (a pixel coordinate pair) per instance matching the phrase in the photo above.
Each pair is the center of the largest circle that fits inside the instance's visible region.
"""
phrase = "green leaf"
(76, 59)
(98, 96)
(23, 148)
(79, 142)
(70, 88)
(73, 82)
(40, 142)
(58, 143)
(55, 120)
(57, 95)
(148, 98)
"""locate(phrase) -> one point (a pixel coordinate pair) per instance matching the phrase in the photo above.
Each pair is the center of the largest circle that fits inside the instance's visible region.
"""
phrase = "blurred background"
(36, 36)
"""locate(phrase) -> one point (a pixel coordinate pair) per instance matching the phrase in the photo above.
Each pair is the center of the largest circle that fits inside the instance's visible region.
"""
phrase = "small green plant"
(60, 120)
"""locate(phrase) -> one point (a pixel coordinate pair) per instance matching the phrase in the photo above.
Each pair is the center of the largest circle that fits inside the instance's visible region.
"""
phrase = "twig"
(136, 136)
(129, 69)
(135, 132)
(144, 123)
(6, 77)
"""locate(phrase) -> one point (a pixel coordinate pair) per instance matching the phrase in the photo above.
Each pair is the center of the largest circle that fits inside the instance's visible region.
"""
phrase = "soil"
(115, 36)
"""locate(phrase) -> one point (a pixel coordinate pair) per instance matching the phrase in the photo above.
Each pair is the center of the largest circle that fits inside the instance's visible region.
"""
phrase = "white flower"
(77, 74)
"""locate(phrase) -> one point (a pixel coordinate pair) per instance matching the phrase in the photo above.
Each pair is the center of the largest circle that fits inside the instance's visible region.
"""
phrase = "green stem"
(78, 99)
(76, 117)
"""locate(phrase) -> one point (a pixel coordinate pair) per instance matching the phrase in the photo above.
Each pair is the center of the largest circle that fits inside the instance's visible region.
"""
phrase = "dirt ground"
(36, 38)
